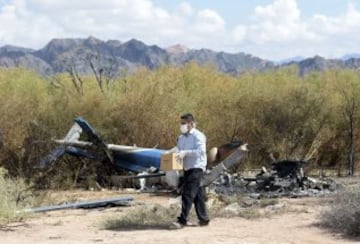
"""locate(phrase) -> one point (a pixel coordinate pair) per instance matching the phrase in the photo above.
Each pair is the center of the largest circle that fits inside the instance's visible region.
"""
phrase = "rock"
(228, 198)
(275, 207)
(248, 202)
(255, 195)
(210, 203)
(213, 202)
(232, 209)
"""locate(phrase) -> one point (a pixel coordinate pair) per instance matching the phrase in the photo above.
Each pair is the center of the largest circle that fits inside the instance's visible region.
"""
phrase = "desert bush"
(343, 213)
(14, 196)
(158, 216)
(140, 217)
(248, 208)
(274, 111)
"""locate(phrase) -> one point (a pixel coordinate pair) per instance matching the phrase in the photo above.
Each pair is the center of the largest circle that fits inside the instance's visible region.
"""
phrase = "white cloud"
(279, 30)
(275, 30)
(33, 23)
(239, 33)
(208, 21)
(23, 27)
(346, 23)
(279, 22)
(185, 9)
(279, 11)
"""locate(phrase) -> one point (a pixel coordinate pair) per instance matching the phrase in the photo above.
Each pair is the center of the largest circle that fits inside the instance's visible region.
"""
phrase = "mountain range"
(85, 56)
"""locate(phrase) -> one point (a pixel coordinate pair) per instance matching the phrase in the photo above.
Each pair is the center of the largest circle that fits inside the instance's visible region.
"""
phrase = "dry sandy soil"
(84, 226)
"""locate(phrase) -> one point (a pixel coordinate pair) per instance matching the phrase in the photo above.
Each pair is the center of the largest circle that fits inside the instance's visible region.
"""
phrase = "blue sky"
(272, 29)
(237, 11)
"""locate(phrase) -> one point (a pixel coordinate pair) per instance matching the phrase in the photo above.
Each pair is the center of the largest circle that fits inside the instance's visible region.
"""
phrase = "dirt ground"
(85, 226)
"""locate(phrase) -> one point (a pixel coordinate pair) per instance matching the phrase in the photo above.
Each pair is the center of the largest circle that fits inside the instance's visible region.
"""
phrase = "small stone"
(275, 207)
(232, 209)
(248, 202)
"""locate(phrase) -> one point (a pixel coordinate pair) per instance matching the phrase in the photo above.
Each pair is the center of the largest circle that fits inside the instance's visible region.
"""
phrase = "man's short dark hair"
(188, 116)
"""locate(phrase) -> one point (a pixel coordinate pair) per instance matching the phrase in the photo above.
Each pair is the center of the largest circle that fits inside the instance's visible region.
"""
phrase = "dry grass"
(156, 216)
(144, 109)
(252, 209)
(267, 202)
(14, 196)
(251, 213)
(343, 213)
(142, 217)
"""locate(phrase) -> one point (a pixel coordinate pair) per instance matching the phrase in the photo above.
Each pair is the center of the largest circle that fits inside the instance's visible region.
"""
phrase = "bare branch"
(97, 74)
(75, 78)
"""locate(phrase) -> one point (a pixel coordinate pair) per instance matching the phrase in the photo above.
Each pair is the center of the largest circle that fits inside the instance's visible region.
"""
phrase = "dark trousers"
(193, 193)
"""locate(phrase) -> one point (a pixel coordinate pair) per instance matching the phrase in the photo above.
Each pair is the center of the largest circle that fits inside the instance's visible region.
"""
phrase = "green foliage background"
(274, 111)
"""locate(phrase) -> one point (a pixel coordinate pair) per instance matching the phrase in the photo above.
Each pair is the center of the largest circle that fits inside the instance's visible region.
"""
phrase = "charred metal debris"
(285, 179)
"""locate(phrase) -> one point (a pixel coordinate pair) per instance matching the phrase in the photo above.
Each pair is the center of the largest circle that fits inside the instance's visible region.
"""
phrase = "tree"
(351, 107)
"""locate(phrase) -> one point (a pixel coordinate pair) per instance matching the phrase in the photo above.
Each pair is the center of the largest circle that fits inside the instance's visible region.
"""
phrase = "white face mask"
(184, 128)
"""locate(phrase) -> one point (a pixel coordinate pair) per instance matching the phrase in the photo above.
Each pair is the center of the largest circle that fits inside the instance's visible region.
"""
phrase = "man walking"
(191, 147)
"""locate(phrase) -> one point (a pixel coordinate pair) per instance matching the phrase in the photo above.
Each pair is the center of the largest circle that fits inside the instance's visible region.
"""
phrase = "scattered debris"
(233, 159)
(116, 201)
(286, 178)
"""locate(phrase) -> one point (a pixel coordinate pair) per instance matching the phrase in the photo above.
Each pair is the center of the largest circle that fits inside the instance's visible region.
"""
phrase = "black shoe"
(204, 223)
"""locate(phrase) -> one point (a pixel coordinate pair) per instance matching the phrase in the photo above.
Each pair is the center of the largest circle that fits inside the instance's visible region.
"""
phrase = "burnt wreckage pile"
(286, 178)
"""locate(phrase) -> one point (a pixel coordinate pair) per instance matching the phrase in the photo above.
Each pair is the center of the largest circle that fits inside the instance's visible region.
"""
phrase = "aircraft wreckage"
(286, 177)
